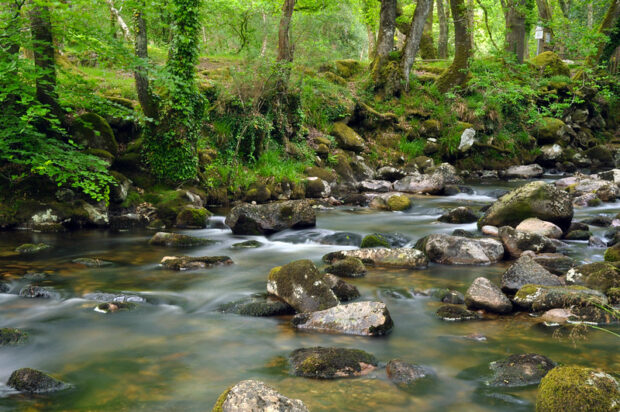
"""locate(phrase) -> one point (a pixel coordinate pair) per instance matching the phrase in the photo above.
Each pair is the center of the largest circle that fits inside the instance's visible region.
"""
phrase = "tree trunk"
(285, 49)
(609, 27)
(514, 11)
(546, 17)
(263, 49)
(119, 19)
(143, 89)
(442, 49)
(427, 46)
(565, 6)
(458, 72)
(372, 42)
(386, 75)
(413, 39)
(44, 59)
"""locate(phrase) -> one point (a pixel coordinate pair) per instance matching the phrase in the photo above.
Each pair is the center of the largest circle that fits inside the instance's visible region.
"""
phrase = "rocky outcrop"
(407, 258)
(248, 219)
(331, 363)
(516, 242)
(482, 294)
(255, 396)
(455, 250)
(360, 318)
(535, 199)
(520, 370)
(526, 271)
(194, 262)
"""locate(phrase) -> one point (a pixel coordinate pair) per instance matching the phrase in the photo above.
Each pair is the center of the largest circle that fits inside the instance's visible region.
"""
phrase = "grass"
(412, 149)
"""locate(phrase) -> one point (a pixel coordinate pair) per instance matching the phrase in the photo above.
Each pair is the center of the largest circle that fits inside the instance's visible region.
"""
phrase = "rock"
(30, 249)
(549, 131)
(575, 388)
(459, 215)
(600, 276)
(554, 316)
(556, 263)
(331, 363)
(390, 174)
(374, 240)
(255, 396)
(33, 381)
(92, 262)
(359, 318)
(247, 219)
(601, 156)
(10, 336)
(97, 215)
(578, 235)
(490, 230)
(257, 192)
(194, 262)
(349, 267)
(406, 258)
(111, 307)
(527, 271)
(398, 203)
(128, 221)
(301, 285)
(600, 221)
(516, 242)
(482, 294)
(423, 163)
(115, 298)
(317, 188)
(612, 254)
(540, 227)
(403, 373)
(535, 199)
(550, 64)
(550, 153)
(192, 217)
(463, 233)
(523, 172)
(342, 239)
(39, 292)
(447, 296)
(541, 298)
(520, 370)
(248, 244)
(379, 186)
(596, 242)
(347, 138)
(344, 291)
(453, 250)
(93, 131)
(258, 305)
(468, 138)
(177, 240)
(455, 313)
(4, 288)
(420, 183)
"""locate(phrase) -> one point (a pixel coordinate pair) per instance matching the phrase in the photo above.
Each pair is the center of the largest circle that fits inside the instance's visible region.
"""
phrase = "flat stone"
(527, 271)
(520, 370)
(194, 262)
(331, 363)
(403, 373)
(407, 258)
(359, 318)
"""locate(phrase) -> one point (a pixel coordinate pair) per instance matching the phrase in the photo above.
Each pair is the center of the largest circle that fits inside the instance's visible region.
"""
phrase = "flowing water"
(177, 352)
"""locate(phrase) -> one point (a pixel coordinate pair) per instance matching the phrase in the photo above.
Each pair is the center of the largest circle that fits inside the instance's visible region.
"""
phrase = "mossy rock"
(94, 132)
(322, 173)
(193, 218)
(347, 68)
(258, 192)
(29, 248)
(375, 240)
(600, 275)
(10, 336)
(259, 305)
(248, 244)
(126, 103)
(33, 381)
(601, 155)
(549, 130)
(178, 240)
(135, 146)
(398, 203)
(169, 204)
(575, 388)
(541, 298)
(612, 254)
(347, 138)
(550, 64)
(100, 153)
(613, 294)
(350, 267)
(431, 128)
(456, 313)
(334, 78)
(330, 363)
(220, 400)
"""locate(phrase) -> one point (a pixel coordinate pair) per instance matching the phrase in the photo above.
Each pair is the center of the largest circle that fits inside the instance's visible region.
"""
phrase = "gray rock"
(344, 291)
(359, 318)
(331, 363)
(379, 186)
(578, 235)
(596, 242)
(248, 219)
(527, 271)
(461, 214)
(420, 183)
(33, 381)
(516, 242)
(455, 313)
(542, 298)
(194, 262)
(258, 305)
(523, 172)
(468, 138)
(540, 227)
(177, 240)
(255, 396)
(390, 174)
(342, 239)
(397, 258)
(556, 263)
(482, 294)
(403, 373)
(453, 250)
(520, 370)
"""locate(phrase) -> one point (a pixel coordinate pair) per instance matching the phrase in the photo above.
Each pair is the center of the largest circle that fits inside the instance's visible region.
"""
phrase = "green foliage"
(323, 102)
(412, 149)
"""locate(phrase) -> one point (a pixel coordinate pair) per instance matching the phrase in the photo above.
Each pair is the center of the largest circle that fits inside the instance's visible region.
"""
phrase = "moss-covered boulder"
(258, 192)
(575, 388)
(258, 305)
(252, 395)
(612, 254)
(398, 203)
(520, 370)
(93, 132)
(456, 313)
(348, 68)
(331, 363)
(344, 291)
(599, 275)
(350, 267)
(327, 175)
(301, 285)
(33, 381)
(194, 262)
(347, 138)
(10, 336)
(601, 156)
(192, 217)
(334, 78)
(178, 240)
(549, 130)
(459, 215)
(317, 188)
(431, 128)
(375, 240)
(540, 298)
(31, 249)
(535, 199)
(248, 219)
(550, 64)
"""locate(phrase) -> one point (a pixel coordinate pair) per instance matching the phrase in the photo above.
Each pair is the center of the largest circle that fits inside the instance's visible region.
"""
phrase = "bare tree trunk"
(119, 19)
(515, 27)
(387, 27)
(263, 49)
(413, 39)
(427, 46)
(442, 49)
(143, 89)
(546, 16)
(609, 23)
(44, 59)
(458, 72)
(470, 21)
(565, 6)
(590, 21)
(285, 49)
(372, 42)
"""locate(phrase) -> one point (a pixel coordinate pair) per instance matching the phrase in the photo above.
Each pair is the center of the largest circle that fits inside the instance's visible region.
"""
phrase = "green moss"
(399, 203)
(600, 275)
(29, 248)
(220, 400)
(548, 129)
(334, 78)
(100, 153)
(550, 64)
(328, 363)
(193, 217)
(347, 138)
(135, 146)
(322, 173)
(94, 132)
(347, 267)
(10, 336)
(573, 388)
(374, 240)
(613, 294)
(612, 254)
(348, 68)
(169, 204)
(133, 199)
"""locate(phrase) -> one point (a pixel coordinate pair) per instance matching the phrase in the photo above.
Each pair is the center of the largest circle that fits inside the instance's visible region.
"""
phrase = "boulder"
(482, 294)
(527, 271)
(248, 219)
(317, 188)
(258, 305)
(194, 262)
(31, 249)
(540, 227)
(255, 396)
(446, 295)
(347, 138)
(523, 172)
(331, 363)
(541, 298)
(520, 370)
(359, 318)
(403, 373)
(490, 230)
(420, 183)
(391, 174)
(301, 285)
(93, 132)
(535, 199)
(192, 217)
(349, 267)
(600, 276)
(468, 138)
(549, 64)
(398, 203)
(578, 235)
(549, 131)
(342, 239)
(379, 186)
(10, 336)
(575, 388)
(596, 242)
(600, 221)
(456, 313)
(556, 263)
(454, 250)
(406, 258)
(612, 254)
(516, 242)
(178, 240)
(344, 291)
(33, 381)
(374, 240)
(459, 215)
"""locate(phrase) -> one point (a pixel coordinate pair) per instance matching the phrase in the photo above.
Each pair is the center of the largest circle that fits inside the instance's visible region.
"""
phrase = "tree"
(383, 75)
(515, 12)
(420, 17)
(285, 48)
(609, 29)
(457, 73)
(545, 16)
(145, 96)
(442, 43)
(427, 45)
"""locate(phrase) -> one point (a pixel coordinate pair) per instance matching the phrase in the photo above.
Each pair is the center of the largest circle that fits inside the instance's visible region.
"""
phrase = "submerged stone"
(520, 370)
(29, 248)
(455, 313)
(34, 381)
(194, 262)
(92, 262)
(248, 244)
(360, 318)
(331, 363)
(404, 373)
(10, 336)
(258, 305)
(177, 240)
